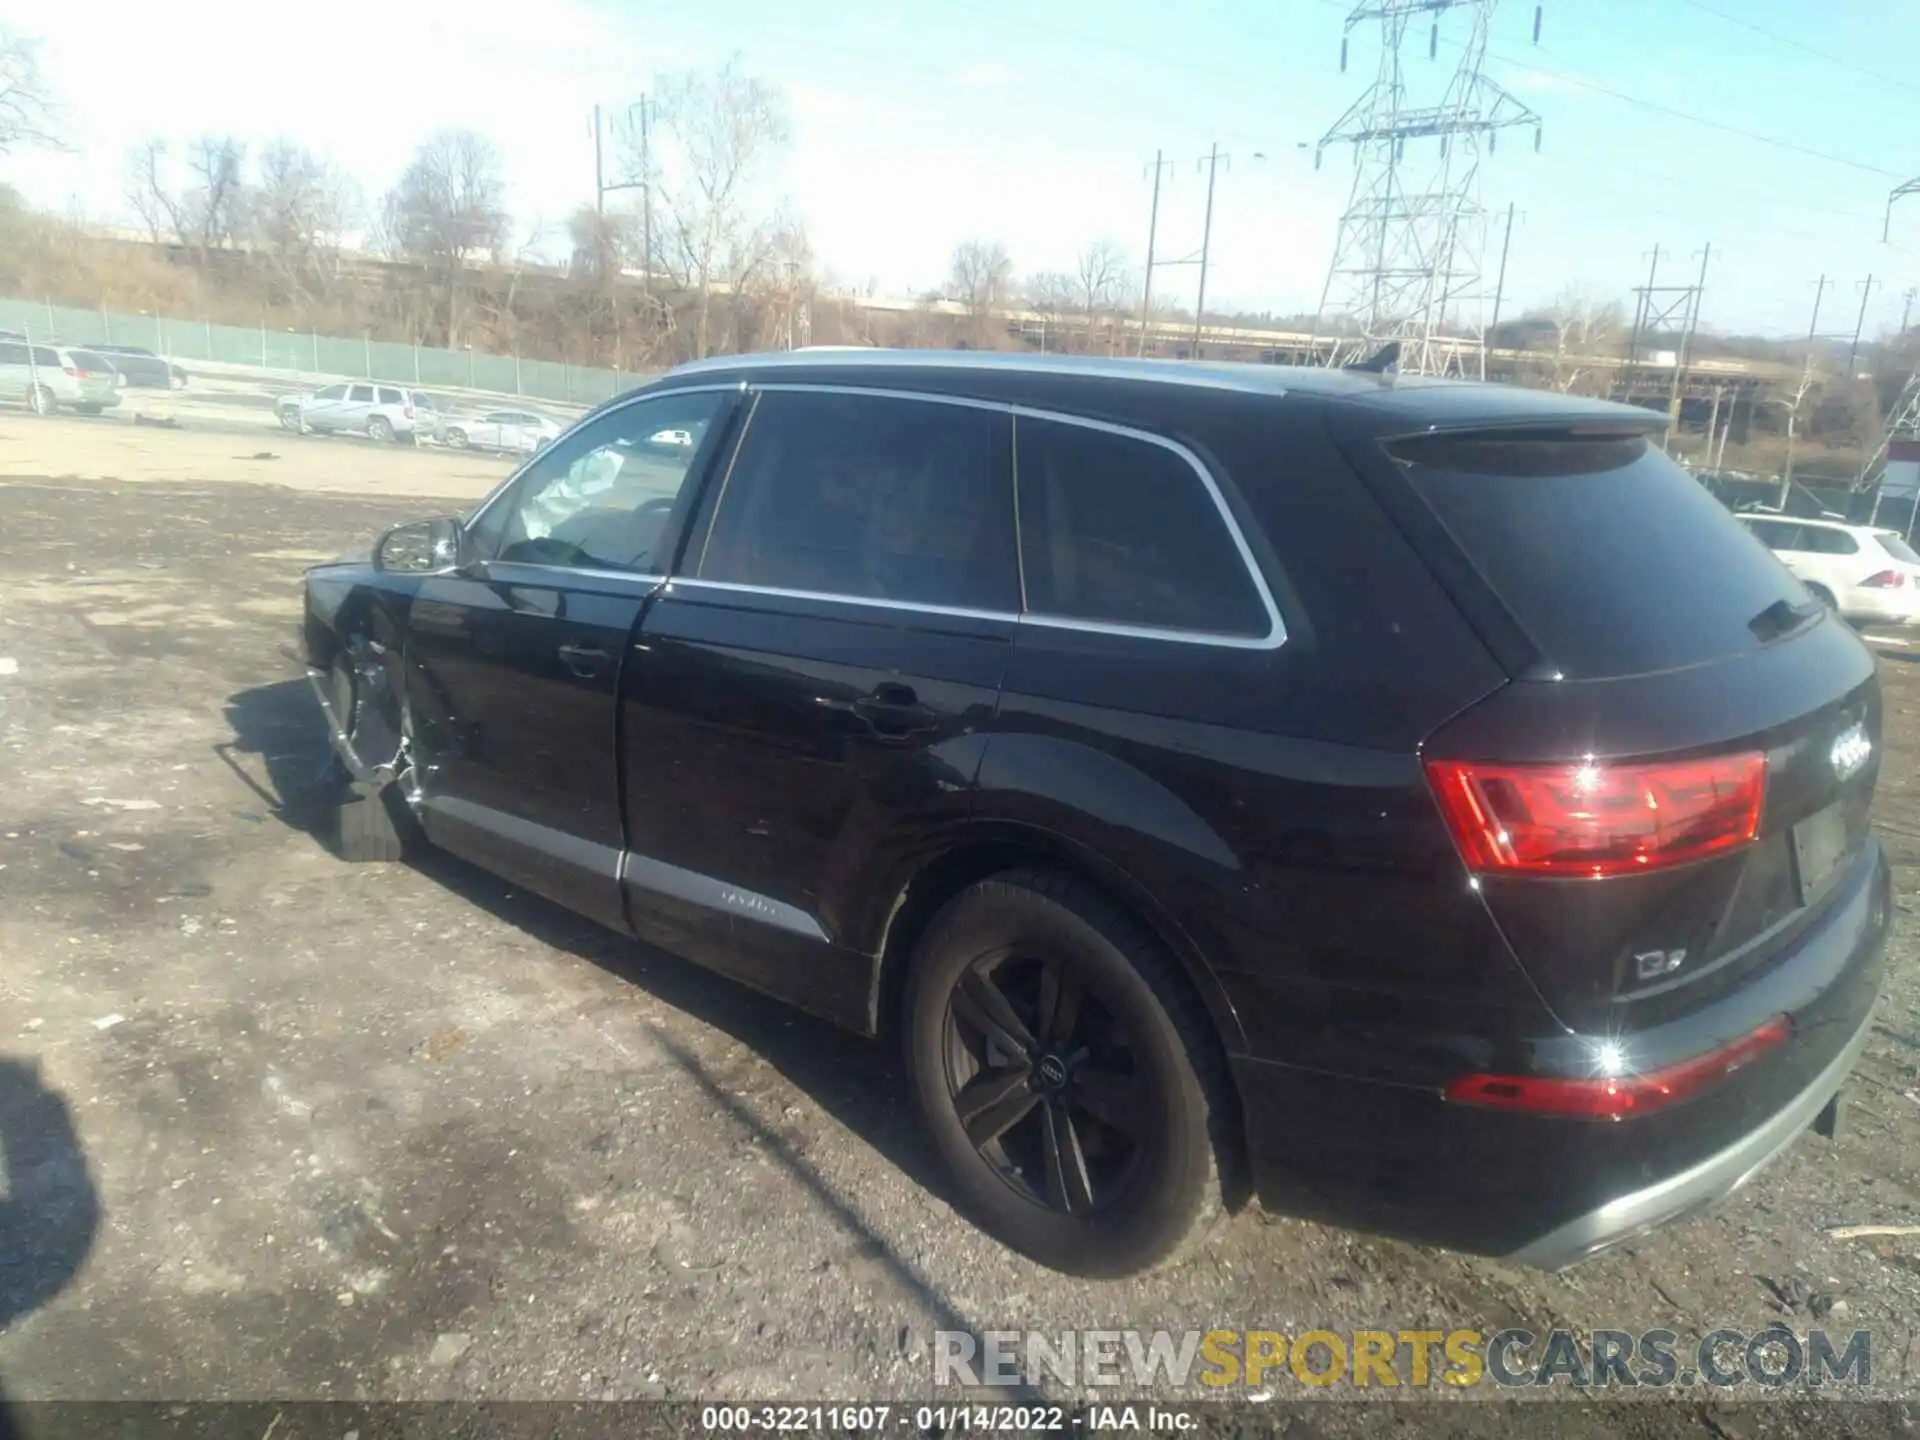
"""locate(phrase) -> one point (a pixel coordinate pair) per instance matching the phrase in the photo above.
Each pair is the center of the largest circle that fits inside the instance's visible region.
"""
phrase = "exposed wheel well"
(945, 877)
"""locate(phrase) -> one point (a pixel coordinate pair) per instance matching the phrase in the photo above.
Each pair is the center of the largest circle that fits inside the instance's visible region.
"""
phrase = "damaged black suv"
(1417, 803)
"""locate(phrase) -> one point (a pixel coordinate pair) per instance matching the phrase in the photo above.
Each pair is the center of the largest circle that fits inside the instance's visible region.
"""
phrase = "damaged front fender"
(367, 743)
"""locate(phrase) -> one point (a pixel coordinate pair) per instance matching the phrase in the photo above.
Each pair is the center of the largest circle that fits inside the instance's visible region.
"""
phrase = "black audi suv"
(1418, 804)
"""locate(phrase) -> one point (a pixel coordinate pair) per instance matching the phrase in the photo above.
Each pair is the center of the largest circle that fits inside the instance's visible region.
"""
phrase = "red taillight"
(1615, 1097)
(1598, 819)
(1885, 580)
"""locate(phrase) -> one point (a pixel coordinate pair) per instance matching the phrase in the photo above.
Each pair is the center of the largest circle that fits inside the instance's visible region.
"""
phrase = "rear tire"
(1099, 1142)
(290, 420)
(1824, 596)
(380, 429)
(40, 400)
(457, 439)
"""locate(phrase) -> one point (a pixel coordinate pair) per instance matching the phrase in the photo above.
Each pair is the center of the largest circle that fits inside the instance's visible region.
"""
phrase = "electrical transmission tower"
(1411, 241)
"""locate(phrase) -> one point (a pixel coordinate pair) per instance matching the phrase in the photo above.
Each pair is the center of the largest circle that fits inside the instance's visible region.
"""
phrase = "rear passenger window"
(46, 358)
(870, 497)
(390, 397)
(1823, 541)
(361, 394)
(1118, 530)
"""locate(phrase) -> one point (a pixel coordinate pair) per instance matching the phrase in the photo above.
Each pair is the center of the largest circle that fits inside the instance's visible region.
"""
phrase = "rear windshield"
(1898, 549)
(1611, 558)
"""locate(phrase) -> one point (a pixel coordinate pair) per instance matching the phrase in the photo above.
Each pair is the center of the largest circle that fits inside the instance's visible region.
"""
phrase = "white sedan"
(519, 431)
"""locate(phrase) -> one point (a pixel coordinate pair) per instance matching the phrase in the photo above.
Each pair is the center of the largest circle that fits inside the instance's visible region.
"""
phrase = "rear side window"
(1822, 541)
(1898, 549)
(1776, 536)
(1611, 558)
(1118, 530)
(391, 397)
(50, 359)
(869, 497)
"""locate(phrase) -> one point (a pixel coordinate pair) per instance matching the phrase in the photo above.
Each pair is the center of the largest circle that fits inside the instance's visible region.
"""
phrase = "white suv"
(380, 412)
(1871, 576)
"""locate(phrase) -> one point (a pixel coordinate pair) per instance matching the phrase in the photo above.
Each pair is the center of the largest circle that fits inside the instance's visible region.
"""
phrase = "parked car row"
(401, 413)
(44, 378)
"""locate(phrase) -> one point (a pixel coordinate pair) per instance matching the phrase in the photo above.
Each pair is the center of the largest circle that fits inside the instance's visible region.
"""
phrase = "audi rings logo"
(1851, 750)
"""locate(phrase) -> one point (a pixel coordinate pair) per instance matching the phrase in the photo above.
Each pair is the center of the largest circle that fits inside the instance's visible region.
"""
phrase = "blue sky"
(920, 123)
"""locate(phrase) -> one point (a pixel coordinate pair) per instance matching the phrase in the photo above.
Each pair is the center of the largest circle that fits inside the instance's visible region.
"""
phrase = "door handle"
(895, 710)
(585, 661)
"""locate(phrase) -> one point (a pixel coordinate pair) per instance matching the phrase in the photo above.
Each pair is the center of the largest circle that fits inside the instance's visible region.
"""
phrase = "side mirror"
(422, 547)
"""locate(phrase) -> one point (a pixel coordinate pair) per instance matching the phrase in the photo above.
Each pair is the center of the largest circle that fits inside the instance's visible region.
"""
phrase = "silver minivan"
(44, 377)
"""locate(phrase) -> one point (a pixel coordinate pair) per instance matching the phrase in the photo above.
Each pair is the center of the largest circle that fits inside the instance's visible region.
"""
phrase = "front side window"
(604, 499)
(332, 392)
(868, 497)
(362, 395)
(1117, 530)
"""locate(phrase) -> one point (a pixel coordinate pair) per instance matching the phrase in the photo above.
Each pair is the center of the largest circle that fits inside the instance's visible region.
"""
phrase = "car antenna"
(1386, 358)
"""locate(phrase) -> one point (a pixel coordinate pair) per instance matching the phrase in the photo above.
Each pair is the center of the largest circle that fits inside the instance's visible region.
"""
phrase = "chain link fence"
(307, 353)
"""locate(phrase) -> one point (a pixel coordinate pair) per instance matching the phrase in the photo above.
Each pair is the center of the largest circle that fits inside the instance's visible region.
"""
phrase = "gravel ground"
(279, 1127)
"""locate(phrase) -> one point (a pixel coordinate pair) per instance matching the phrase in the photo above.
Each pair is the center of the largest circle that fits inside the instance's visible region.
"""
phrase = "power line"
(1802, 46)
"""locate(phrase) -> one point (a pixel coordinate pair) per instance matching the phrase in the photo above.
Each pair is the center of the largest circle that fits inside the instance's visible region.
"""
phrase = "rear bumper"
(1697, 1188)
(1398, 1159)
(1888, 607)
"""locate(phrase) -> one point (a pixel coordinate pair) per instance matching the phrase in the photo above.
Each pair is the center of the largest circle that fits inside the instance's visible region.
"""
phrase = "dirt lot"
(278, 1126)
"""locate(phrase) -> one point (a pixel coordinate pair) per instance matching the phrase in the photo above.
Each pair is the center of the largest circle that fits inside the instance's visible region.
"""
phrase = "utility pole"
(599, 167)
(1639, 314)
(1160, 163)
(1499, 292)
(1686, 351)
(1853, 354)
(1212, 162)
(1806, 384)
(601, 189)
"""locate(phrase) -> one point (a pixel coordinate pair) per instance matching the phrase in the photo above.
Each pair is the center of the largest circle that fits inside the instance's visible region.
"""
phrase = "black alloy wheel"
(1069, 1076)
(1045, 1082)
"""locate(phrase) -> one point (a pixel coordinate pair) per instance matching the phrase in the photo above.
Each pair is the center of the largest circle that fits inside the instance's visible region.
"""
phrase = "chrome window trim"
(638, 397)
(590, 572)
(1273, 640)
(915, 607)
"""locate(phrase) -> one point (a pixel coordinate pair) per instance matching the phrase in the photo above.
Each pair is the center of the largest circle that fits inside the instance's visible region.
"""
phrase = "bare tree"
(446, 211)
(213, 210)
(1100, 273)
(148, 191)
(720, 136)
(981, 279)
(1586, 329)
(30, 116)
(303, 205)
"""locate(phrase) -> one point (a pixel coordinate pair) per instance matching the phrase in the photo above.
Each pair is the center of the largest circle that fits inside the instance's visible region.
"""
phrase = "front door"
(803, 710)
(513, 668)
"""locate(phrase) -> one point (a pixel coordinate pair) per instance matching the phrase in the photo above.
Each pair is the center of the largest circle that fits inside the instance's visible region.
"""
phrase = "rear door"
(1678, 785)
(513, 668)
(803, 713)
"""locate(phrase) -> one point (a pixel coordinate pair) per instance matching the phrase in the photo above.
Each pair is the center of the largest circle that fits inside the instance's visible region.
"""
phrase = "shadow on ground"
(859, 1082)
(49, 1209)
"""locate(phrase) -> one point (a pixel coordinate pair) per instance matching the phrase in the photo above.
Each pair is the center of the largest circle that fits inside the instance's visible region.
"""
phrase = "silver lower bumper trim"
(1699, 1186)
